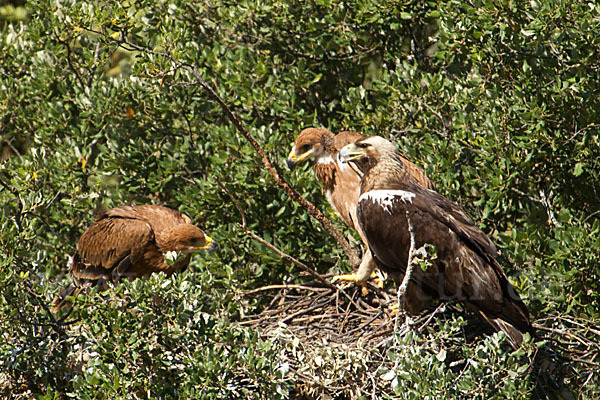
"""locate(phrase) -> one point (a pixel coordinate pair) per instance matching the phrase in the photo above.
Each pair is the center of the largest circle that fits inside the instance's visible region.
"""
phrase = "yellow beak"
(210, 244)
(350, 152)
(293, 159)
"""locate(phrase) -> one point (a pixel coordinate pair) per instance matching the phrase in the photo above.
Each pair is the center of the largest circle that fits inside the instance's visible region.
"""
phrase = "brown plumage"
(341, 181)
(465, 269)
(131, 242)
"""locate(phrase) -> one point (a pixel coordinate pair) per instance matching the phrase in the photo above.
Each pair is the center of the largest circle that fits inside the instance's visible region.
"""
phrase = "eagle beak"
(210, 244)
(350, 152)
(293, 159)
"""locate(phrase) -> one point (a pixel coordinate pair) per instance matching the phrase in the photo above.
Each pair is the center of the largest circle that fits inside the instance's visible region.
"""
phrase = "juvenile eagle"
(465, 269)
(131, 242)
(341, 182)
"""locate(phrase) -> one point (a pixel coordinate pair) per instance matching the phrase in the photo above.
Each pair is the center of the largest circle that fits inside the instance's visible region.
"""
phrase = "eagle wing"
(465, 268)
(115, 242)
(450, 214)
(159, 218)
(417, 173)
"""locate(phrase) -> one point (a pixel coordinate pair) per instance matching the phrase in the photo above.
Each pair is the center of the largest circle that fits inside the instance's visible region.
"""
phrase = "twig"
(284, 286)
(548, 207)
(19, 213)
(441, 306)
(69, 61)
(305, 311)
(280, 253)
(94, 65)
(590, 216)
(365, 324)
(409, 267)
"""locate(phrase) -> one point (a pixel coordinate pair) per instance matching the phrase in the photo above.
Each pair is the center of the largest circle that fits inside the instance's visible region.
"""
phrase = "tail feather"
(513, 316)
(73, 290)
(515, 336)
(61, 300)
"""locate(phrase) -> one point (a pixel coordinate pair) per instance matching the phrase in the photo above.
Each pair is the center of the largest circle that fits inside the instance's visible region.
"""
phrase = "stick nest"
(337, 343)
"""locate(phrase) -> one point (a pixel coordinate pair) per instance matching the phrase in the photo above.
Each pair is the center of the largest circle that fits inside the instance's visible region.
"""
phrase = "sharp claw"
(346, 278)
(363, 289)
(394, 310)
(378, 280)
(353, 278)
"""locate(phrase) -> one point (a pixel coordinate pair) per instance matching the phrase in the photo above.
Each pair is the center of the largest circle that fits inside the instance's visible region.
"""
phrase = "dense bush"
(101, 105)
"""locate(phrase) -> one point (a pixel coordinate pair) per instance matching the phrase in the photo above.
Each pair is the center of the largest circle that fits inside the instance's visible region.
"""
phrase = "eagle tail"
(515, 336)
(513, 317)
(61, 299)
(513, 321)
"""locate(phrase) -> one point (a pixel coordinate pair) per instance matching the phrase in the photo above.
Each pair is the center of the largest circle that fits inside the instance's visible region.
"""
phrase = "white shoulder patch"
(384, 198)
(325, 160)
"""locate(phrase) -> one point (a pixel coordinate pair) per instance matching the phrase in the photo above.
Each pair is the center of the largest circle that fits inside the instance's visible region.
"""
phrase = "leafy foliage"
(100, 106)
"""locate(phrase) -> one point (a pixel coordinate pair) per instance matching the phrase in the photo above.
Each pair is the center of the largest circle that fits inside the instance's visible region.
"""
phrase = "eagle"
(132, 242)
(465, 267)
(342, 182)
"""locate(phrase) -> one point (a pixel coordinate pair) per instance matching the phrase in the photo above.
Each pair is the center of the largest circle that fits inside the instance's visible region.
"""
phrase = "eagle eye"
(363, 145)
(305, 148)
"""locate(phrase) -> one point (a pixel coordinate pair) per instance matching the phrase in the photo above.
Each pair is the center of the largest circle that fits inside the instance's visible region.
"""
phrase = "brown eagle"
(465, 268)
(342, 182)
(132, 242)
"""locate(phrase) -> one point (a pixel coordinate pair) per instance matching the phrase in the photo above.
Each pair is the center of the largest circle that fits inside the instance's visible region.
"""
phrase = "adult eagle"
(342, 182)
(131, 242)
(465, 269)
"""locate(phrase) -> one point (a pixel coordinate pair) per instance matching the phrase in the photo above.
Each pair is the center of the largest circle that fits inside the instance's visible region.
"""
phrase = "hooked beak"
(293, 159)
(350, 152)
(210, 244)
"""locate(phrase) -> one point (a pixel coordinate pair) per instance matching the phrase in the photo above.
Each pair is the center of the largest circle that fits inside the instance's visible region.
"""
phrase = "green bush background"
(499, 101)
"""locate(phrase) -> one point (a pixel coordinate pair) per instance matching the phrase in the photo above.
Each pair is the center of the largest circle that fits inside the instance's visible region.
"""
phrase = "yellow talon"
(378, 280)
(353, 278)
(346, 278)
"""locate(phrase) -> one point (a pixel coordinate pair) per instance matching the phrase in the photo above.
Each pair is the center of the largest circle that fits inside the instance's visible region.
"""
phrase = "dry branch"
(312, 210)
(409, 268)
(280, 253)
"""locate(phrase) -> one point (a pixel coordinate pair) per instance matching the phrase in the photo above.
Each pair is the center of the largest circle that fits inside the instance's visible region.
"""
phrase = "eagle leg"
(366, 271)
(362, 283)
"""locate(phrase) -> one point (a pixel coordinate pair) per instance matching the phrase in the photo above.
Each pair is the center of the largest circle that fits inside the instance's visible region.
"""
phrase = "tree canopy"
(136, 102)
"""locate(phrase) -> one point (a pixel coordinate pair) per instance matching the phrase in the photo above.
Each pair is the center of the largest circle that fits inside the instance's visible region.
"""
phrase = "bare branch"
(284, 286)
(548, 207)
(280, 253)
(409, 268)
(312, 210)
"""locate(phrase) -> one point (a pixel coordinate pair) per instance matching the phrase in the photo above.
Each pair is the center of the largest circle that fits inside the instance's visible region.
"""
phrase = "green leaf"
(578, 170)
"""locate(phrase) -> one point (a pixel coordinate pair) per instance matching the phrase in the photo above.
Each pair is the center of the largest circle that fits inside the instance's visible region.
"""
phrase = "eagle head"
(310, 143)
(186, 238)
(368, 151)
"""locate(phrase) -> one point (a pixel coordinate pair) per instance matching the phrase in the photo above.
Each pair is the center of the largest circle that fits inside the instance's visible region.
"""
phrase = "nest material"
(313, 312)
(336, 341)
